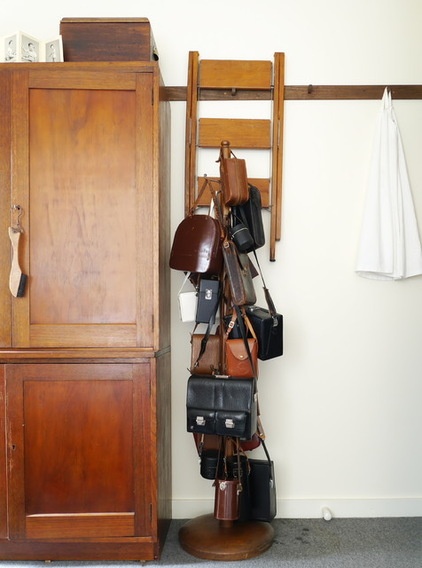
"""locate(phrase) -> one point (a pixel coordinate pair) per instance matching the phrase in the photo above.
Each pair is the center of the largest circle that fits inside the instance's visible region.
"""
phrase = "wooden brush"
(17, 280)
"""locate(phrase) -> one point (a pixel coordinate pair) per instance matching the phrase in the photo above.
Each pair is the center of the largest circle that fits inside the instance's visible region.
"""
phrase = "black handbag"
(227, 406)
(268, 328)
(250, 214)
(267, 324)
(262, 488)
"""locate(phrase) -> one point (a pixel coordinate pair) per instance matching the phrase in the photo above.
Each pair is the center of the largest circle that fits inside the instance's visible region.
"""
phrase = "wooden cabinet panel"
(85, 460)
(3, 473)
(82, 191)
(86, 172)
(5, 168)
(75, 437)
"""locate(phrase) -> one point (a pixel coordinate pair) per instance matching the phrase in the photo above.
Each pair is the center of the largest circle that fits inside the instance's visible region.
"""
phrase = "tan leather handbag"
(241, 360)
(238, 362)
(209, 362)
(234, 179)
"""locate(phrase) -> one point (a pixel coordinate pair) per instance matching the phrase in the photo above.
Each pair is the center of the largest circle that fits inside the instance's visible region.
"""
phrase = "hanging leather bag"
(228, 488)
(268, 327)
(226, 501)
(250, 215)
(208, 298)
(267, 324)
(241, 236)
(207, 363)
(262, 488)
(197, 243)
(234, 179)
(241, 353)
(239, 275)
(227, 406)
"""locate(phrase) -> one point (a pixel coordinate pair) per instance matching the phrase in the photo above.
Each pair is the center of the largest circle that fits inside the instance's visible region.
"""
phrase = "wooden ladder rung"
(234, 74)
(241, 133)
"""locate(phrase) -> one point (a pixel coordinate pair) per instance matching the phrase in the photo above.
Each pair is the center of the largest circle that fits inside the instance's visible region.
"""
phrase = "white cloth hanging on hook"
(389, 247)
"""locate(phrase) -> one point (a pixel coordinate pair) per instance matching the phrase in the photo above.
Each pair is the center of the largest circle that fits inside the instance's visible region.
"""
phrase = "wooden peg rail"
(290, 93)
(301, 93)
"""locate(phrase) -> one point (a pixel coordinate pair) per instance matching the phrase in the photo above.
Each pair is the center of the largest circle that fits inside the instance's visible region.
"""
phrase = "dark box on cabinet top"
(107, 39)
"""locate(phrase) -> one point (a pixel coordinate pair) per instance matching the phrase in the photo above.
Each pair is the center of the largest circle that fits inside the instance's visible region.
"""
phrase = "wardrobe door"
(82, 174)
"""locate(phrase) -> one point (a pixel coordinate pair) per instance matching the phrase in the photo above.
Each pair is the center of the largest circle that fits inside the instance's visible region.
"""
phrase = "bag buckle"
(208, 293)
(229, 423)
(200, 421)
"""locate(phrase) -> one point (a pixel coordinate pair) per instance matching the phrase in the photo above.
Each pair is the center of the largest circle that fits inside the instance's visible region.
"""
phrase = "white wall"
(342, 406)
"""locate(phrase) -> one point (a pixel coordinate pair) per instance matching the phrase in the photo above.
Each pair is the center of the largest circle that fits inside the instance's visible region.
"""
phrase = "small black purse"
(262, 488)
(208, 299)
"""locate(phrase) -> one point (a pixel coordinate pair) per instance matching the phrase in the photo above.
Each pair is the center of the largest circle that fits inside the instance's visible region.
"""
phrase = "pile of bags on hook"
(222, 411)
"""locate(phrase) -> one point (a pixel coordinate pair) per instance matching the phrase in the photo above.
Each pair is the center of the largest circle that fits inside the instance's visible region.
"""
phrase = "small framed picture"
(9, 48)
(53, 50)
(21, 47)
(29, 48)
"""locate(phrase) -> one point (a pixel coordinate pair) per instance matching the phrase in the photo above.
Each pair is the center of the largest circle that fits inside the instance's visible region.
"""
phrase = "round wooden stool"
(206, 537)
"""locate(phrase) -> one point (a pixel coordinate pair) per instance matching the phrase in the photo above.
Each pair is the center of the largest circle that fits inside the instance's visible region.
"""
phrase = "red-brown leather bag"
(238, 363)
(197, 242)
(226, 501)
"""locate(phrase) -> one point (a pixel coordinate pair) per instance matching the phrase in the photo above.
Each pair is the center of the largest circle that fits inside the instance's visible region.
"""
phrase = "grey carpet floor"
(339, 543)
(302, 543)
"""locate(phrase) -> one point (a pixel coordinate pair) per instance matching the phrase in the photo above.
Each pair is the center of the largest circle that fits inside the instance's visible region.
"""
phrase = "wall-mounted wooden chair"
(234, 80)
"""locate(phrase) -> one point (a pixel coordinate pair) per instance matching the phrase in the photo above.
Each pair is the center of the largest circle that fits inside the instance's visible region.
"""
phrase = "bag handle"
(268, 298)
(184, 281)
(267, 453)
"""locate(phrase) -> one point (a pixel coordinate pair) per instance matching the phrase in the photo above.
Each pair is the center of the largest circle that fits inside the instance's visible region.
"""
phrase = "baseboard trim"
(312, 508)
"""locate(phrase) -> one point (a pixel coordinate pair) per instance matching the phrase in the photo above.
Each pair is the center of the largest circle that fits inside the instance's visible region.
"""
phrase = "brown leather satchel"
(234, 178)
(197, 242)
(239, 275)
(197, 245)
(209, 362)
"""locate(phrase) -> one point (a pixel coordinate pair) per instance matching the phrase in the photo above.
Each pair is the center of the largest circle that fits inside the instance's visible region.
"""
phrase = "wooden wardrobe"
(85, 462)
